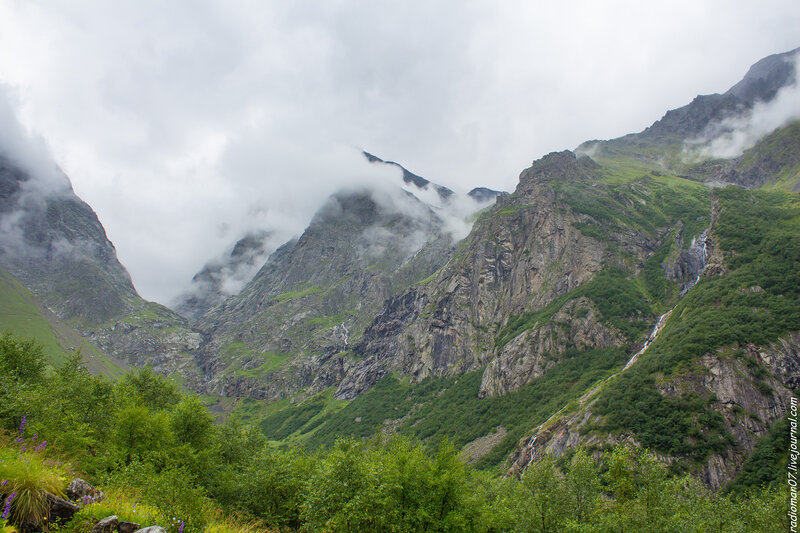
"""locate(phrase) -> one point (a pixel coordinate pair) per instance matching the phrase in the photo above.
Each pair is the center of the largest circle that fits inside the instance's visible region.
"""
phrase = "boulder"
(152, 529)
(106, 525)
(128, 527)
(61, 510)
(83, 492)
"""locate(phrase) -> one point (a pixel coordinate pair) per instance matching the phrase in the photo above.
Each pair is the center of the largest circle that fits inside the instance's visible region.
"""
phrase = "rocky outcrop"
(748, 403)
(532, 353)
(157, 337)
(128, 527)
(61, 510)
(521, 254)
(686, 267)
(82, 491)
(106, 525)
(313, 298)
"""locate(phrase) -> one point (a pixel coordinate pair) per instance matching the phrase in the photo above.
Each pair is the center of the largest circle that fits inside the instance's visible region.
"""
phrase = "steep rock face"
(523, 253)
(686, 267)
(222, 278)
(54, 244)
(575, 326)
(748, 405)
(743, 386)
(315, 295)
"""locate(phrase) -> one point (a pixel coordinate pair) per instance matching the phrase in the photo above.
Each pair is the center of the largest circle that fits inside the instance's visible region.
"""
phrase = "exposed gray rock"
(151, 529)
(128, 527)
(521, 255)
(748, 409)
(106, 525)
(533, 352)
(60, 509)
(83, 492)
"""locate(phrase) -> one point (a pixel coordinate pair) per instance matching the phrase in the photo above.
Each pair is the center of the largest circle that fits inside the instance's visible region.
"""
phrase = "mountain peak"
(410, 178)
(767, 76)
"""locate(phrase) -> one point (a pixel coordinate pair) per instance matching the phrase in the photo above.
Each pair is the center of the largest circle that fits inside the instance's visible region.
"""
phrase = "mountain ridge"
(438, 318)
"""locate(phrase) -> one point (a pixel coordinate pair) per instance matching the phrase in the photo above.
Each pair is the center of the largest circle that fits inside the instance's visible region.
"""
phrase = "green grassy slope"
(24, 315)
(754, 301)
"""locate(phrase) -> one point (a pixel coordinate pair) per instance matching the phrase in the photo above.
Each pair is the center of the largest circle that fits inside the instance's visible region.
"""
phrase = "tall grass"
(30, 477)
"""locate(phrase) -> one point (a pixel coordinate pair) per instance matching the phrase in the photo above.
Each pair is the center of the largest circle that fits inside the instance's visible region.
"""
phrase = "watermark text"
(791, 467)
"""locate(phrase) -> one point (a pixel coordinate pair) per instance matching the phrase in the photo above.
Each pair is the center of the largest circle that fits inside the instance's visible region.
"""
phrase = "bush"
(28, 477)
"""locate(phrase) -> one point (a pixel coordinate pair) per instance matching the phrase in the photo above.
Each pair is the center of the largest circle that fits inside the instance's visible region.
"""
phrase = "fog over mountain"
(187, 130)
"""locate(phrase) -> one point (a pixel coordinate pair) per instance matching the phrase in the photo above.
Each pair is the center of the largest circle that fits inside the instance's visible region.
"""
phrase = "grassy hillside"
(160, 459)
(753, 300)
(23, 314)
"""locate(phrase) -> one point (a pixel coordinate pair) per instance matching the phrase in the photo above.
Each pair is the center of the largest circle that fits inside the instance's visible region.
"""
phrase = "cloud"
(184, 125)
(733, 135)
(28, 150)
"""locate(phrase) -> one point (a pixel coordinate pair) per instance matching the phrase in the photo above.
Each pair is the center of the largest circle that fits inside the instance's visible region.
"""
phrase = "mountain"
(54, 245)
(683, 140)
(409, 178)
(291, 325)
(519, 340)
(621, 294)
(221, 278)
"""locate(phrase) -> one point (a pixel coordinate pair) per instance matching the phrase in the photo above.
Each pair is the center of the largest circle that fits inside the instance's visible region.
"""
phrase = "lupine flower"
(41, 446)
(22, 425)
(7, 510)
(180, 527)
(5, 482)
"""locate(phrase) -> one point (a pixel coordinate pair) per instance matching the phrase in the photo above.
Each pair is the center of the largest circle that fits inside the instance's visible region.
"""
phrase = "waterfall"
(530, 444)
(697, 249)
(650, 338)
(345, 333)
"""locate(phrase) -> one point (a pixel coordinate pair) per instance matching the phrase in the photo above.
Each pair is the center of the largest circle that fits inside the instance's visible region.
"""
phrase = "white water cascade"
(698, 247)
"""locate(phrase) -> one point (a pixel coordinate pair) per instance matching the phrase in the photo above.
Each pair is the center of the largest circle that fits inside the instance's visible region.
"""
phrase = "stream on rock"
(696, 258)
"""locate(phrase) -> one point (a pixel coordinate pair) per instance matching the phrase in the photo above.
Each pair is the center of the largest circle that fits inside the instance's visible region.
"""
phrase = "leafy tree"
(150, 388)
(582, 485)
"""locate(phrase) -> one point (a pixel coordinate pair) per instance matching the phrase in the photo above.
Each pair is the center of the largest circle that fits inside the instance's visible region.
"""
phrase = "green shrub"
(29, 478)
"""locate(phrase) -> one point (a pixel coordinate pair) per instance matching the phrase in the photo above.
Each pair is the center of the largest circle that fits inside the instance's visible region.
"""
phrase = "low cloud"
(186, 130)
(28, 150)
(733, 135)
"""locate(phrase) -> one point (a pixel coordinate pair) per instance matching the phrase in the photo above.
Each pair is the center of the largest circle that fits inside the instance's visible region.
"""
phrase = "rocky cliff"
(293, 325)
(54, 244)
(730, 370)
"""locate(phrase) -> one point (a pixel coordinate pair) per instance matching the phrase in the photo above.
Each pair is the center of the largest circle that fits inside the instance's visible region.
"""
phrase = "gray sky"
(183, 124)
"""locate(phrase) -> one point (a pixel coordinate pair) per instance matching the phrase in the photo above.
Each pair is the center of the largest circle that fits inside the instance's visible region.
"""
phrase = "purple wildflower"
(7, 510)
(22, 425)
(41, 446)
(180, 527)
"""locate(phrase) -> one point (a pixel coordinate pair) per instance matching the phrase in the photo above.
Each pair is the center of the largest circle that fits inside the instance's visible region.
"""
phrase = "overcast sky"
(183, 124)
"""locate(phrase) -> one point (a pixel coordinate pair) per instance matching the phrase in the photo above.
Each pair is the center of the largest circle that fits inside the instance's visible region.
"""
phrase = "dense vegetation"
(754, 301)
(451, 408)
(160, 459)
